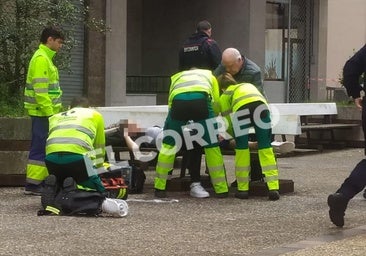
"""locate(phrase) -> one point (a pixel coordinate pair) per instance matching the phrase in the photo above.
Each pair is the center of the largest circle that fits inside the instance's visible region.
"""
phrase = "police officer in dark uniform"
(356, 181)
(198, 51)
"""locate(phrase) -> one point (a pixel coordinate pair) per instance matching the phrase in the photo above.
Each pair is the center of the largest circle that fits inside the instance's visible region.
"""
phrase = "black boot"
(242, 194)
(337, 206)
(49, 191)
(222, 195)
(160, 193)
(364, 194)
(273, 195)
(234, 184)
(69, 185)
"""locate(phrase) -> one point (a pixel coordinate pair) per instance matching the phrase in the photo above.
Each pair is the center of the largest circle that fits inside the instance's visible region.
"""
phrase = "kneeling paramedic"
(73, 186)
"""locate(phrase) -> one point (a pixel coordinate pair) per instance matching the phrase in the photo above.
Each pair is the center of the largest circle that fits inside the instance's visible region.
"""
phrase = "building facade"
(300, 45)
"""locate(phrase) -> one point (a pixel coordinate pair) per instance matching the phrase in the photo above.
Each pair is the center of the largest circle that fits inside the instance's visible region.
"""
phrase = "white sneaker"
(115, 207)
(283, 147)
(198, 191)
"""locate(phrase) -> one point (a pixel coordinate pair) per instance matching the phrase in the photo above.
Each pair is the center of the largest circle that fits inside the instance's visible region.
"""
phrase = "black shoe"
(364, 194)
(337, 206)
(49, 192)
(69, 185)
(160, 193)
(33, 190)
(242, 194)
(273, 195)
(222, 195)
(234, 184)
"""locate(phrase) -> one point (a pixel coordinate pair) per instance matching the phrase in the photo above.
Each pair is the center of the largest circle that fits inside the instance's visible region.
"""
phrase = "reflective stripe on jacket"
(195, 80)
(236, 96)
(78, 130)
(42, 93)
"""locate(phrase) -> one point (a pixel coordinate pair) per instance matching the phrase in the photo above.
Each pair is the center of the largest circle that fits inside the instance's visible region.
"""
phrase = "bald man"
(241, 68)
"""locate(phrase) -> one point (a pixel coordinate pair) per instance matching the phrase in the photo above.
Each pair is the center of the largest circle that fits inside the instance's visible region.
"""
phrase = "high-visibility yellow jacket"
(42, 93)
(236, 96)
(78, 130)
(195, 80)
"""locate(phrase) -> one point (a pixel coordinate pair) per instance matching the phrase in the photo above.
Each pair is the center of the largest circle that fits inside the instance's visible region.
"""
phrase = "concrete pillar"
(95, 58)
(257, 28)
(116, 38)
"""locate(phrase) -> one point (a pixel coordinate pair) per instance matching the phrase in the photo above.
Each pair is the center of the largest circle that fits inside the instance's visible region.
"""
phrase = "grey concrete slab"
(295, 224)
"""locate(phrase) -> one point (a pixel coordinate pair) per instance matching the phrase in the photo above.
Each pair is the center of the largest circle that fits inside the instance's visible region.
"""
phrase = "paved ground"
(296, 225)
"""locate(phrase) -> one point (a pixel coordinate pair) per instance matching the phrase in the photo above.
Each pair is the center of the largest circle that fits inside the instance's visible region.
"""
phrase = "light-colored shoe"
(283, 147)
(198, 191)
(115, 207)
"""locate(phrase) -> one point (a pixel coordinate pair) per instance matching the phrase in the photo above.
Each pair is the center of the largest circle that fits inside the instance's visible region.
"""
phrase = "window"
(275, 40)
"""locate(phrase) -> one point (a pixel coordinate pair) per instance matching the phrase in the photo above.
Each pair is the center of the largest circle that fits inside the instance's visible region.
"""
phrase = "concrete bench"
(287, 118)
(146, 116)
(314, 117)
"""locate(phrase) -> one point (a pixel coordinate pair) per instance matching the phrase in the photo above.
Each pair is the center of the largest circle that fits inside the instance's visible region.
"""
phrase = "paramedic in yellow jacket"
(75, 148)
(76, 137)
(244, 106)
(42, 99)
(193, 95)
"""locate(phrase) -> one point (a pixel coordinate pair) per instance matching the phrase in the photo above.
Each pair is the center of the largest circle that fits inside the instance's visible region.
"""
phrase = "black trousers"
(196, 110)
(355, 182)
(364, 121)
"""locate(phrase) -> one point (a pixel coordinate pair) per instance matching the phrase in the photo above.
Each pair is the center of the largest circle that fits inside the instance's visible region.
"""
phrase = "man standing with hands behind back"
(42, 99)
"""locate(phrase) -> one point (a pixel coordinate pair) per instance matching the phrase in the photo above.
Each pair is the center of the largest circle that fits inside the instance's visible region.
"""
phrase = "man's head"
(204, 26)
(52, 37)
(232, 60)
(81, 102)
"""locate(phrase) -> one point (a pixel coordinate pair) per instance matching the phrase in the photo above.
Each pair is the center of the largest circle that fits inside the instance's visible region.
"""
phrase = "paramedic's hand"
(358, 103)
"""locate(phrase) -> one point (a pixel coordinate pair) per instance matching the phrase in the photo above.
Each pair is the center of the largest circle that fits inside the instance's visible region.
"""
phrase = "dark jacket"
(352, 71)
(199, 51)
(249, 73)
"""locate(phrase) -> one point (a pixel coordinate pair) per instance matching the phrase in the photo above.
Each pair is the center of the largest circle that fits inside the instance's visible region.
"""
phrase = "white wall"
(346, 34)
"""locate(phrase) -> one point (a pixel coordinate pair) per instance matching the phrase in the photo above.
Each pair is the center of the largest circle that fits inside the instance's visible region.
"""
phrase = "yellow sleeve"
(225, 108)
(215, 95)
(99, 141)
(40, 85)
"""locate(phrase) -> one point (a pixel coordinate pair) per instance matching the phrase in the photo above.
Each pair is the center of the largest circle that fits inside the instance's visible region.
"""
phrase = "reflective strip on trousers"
(269, 167)
(215, 165)
(242, 168)
(36, 172)
(164, 165)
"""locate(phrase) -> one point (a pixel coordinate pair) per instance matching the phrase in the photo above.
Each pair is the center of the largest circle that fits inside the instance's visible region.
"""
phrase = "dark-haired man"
(200, 50)
(42, 99)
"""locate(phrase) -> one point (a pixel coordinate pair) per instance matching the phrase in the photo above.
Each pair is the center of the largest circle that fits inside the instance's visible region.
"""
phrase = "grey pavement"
(296, 225)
